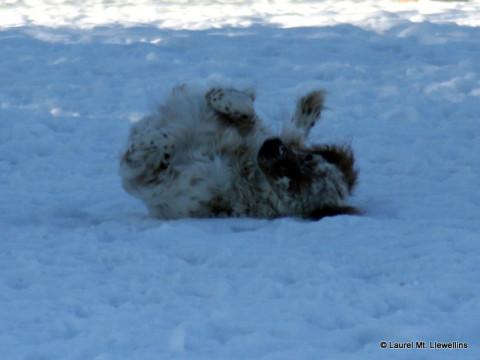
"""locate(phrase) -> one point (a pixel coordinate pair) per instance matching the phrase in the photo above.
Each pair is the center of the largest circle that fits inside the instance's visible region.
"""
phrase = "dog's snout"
(273, 148)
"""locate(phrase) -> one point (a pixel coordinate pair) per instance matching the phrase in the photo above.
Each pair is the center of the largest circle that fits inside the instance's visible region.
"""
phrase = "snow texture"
(85, 273)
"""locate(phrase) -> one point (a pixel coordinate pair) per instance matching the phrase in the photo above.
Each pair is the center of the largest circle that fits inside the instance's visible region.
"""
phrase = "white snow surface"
(86, 273)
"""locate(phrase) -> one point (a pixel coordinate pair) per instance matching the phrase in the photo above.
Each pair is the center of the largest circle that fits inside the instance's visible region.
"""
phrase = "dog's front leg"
(307, 113)
(234, 106)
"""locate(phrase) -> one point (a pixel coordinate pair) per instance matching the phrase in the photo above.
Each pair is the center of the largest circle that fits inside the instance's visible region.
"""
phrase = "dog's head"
(313, 181)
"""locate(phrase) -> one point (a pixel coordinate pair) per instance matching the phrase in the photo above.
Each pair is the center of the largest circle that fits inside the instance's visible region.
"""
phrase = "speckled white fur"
(197, 157)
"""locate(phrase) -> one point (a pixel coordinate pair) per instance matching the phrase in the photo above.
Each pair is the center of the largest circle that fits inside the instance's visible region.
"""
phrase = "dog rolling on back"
(208, 155)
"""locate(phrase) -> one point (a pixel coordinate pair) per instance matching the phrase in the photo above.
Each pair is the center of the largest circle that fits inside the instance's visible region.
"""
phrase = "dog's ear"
(343, 158)
(332, 210)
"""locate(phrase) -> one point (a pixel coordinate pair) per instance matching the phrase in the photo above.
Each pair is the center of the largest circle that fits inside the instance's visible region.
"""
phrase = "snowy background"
(85, 273)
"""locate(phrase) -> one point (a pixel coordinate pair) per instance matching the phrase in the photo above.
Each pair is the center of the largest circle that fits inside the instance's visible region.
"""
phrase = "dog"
(207, 154)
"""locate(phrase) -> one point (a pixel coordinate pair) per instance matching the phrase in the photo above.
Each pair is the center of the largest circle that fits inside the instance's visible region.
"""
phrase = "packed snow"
(86, 273)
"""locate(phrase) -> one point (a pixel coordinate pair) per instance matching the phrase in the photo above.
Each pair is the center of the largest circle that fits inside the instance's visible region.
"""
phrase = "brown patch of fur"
(343, 158)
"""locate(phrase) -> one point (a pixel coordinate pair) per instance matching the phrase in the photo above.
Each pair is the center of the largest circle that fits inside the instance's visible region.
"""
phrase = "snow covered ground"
(85, 273)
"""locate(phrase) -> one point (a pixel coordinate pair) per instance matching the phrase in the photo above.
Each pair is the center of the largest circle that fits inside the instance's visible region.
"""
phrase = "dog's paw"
(235, 104)
(152, 150)
(308, 111)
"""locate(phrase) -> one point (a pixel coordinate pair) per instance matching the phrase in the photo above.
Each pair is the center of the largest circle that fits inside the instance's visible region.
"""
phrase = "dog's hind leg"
(235, 106)
(147, 156)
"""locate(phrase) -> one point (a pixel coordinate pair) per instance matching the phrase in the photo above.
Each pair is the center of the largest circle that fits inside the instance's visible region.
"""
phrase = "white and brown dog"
(208, 155)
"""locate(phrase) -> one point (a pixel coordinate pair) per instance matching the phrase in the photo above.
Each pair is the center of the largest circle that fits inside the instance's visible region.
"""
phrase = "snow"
(187, 14)
(85, 273)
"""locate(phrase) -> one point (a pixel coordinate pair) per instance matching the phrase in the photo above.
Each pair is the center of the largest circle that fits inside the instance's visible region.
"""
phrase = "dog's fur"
(208, 155)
